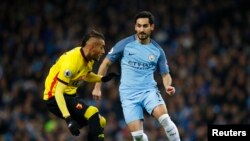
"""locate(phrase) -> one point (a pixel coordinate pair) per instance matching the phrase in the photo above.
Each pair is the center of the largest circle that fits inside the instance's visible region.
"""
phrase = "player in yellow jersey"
(62, 82)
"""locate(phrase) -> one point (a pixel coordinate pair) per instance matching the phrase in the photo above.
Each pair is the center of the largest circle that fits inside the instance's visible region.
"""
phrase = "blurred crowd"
(207, 44)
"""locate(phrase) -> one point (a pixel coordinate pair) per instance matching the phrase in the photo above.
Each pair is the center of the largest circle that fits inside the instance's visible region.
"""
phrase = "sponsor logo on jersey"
(140, 65)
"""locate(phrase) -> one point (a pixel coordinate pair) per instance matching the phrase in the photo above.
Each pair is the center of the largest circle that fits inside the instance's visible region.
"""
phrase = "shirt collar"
(83, 55)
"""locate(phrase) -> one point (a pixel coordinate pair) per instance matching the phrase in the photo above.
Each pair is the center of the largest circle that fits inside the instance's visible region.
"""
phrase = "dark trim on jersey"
(134, 36)
(83, 55)
(155, 44)
(62, 81)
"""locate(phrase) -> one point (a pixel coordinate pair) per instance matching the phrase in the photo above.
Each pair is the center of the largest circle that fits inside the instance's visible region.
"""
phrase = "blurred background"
(207, 43)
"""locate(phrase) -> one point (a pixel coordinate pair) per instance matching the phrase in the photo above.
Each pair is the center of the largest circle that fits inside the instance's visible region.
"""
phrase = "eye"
(138, 25)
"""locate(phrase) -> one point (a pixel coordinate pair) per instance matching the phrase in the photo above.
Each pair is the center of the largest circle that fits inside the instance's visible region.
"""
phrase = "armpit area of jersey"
(69, 95)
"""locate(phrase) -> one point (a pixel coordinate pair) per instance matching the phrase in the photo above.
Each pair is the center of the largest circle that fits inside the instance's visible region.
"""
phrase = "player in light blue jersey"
(140, 57)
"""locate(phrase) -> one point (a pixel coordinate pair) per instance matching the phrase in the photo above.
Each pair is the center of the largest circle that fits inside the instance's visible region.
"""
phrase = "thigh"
(77, 108)
(153, 99)
(53, 108)
(132, 110)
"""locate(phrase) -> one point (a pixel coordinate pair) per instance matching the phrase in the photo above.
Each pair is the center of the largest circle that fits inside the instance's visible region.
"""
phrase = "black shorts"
(75, 105)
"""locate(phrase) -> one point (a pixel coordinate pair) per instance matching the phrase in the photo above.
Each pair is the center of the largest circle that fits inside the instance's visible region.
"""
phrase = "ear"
(91, 48)
(152, 27)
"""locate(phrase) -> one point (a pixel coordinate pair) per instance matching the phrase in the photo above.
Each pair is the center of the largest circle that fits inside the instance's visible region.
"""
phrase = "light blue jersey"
(138, 64)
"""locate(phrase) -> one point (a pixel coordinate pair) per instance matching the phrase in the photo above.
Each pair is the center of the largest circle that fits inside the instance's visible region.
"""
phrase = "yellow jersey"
(71, 68)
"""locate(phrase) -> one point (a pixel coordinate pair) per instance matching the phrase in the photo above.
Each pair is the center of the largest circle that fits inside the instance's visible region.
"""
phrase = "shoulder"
(155, 43)
(126, 40)
(157, 46)
(72, 56)
(73, 51)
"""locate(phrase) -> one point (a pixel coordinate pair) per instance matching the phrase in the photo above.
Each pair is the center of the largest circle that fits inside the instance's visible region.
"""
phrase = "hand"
(170, 90)
(96, 93)
(73, 126)
(109, 76)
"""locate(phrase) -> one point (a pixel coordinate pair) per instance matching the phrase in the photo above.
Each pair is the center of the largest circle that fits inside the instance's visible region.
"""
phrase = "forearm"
(103, 70)
(60, 99)
(92, 77)
(167, 80)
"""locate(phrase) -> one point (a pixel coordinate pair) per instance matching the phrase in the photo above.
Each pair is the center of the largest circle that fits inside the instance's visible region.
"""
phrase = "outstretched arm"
(102, 71)
(167, 81)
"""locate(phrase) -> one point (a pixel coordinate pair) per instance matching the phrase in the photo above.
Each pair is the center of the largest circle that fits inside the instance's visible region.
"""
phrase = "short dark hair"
(145, 14)
(92, 33)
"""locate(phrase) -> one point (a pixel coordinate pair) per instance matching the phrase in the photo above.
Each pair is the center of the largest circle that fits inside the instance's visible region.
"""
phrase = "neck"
(85, 54)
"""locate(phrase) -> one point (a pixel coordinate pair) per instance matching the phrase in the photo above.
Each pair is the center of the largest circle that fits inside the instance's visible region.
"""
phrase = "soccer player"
(140, 56)
(63, 80)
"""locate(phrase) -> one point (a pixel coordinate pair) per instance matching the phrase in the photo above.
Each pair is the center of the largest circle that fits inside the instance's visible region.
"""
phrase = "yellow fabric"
(92, 77)
(90, 112)
(60, 87)
(70, 69)
(101, 136)
(103, 121)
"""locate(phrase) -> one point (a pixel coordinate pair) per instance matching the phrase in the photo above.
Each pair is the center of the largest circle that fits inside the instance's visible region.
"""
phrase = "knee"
(90, 112)
(103, 121)
(93, 110)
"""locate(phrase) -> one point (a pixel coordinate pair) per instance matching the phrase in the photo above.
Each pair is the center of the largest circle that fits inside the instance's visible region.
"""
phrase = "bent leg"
(96, 123)
(102, 123)
(133, 114)
(160, 113)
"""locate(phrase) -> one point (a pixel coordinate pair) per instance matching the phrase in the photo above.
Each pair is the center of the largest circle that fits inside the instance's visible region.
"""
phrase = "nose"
(102, 51)
(141, 29)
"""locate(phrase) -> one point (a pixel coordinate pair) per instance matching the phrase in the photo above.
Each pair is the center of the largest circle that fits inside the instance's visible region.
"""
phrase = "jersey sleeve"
(92, 77)
(67, 70)
(60, 99)
(116, 52)
(163, 63)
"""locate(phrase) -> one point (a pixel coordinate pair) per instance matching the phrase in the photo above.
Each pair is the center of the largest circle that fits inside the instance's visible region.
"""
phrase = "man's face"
(97, 48)
(143, 28)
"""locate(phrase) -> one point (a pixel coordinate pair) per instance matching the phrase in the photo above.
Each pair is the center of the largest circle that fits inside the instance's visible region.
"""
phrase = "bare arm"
(167, 82)
(102, 71)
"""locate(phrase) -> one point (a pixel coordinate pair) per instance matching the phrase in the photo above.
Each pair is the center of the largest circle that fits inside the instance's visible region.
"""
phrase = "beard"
(142, 36)
(96, 59)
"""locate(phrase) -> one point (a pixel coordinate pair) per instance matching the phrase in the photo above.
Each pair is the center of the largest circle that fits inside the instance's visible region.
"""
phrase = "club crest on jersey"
(151, 57)
(67, 73)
